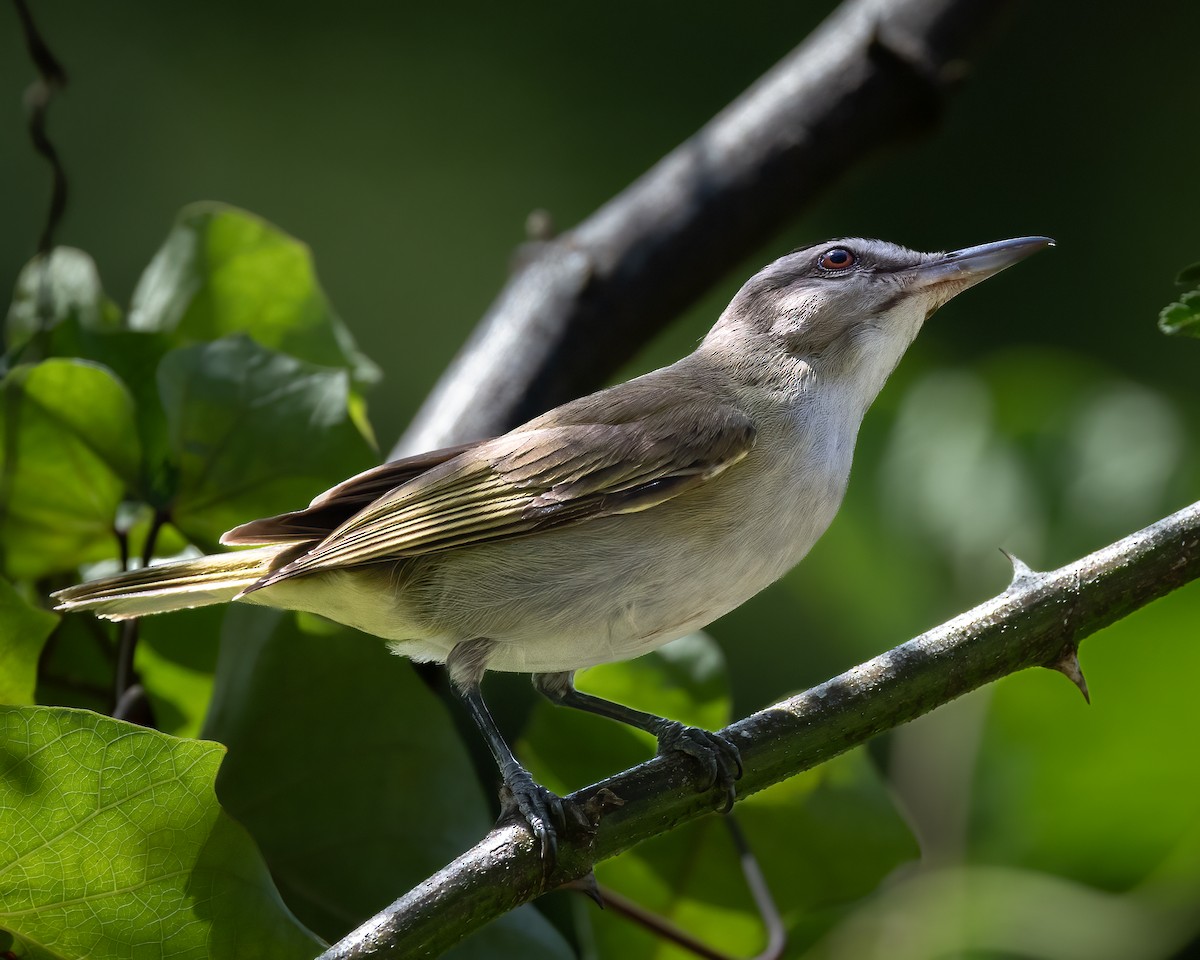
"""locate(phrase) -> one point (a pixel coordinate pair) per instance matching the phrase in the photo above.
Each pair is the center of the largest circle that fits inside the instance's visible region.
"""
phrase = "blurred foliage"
(1035, 415)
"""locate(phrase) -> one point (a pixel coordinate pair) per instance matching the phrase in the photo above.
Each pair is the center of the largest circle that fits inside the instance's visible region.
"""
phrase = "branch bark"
(579, 306)
(1038, 621)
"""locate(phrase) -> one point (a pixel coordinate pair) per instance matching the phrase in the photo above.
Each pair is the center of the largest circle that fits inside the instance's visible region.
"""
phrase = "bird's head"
(849, 308)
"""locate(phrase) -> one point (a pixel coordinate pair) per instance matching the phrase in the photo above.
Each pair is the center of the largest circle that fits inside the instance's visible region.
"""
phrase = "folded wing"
(520, 483)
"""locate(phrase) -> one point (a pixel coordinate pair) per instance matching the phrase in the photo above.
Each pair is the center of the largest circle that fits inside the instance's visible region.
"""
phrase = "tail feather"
(218, 578)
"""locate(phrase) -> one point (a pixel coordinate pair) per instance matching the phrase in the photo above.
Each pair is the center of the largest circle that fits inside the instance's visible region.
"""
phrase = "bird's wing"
(338, 504)
(536, 478)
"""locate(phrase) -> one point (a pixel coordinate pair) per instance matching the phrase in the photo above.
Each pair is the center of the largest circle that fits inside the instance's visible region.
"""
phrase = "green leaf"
(132, 356)
(23, 630)
(112, 844)
(222, 271)
(1183, 316)
(68, 452)
(348, 771)
(252, 432)
(56, 288)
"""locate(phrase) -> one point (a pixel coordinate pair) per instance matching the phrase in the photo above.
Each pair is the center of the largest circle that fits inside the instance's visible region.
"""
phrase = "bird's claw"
(720, 759)
(546, 813)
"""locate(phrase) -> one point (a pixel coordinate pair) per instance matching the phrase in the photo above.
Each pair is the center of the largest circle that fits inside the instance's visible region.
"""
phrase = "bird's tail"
(218, 578)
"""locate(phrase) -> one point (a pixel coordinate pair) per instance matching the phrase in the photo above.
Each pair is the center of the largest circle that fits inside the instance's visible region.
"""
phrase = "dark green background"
(1043, 412)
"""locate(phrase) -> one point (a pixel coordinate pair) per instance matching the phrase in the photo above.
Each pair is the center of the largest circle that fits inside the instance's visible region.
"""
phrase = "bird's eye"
(836, 258)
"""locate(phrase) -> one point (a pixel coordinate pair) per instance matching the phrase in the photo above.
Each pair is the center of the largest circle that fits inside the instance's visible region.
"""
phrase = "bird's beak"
(964, 268)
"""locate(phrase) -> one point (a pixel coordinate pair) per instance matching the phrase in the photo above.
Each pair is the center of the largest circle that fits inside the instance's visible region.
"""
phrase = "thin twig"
(657, 925)
(130, 698)
(664, 929)
(761, 892)
(125, 677)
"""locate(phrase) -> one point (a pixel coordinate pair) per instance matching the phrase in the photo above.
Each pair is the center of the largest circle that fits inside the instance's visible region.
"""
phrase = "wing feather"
(337, 504)
(532, 479)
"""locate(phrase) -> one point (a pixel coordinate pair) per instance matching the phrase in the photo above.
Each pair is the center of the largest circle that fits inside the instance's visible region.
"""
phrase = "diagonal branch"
(1038, 621)
(579, 306)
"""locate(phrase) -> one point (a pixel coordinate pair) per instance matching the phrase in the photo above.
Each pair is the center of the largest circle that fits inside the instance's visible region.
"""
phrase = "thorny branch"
(1039, 621)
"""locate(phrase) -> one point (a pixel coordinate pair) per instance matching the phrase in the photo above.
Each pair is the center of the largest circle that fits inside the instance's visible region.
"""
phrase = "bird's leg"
(720, 759)
(540, 808)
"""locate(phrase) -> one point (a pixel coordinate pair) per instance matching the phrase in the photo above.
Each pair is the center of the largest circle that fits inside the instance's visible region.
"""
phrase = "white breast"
(614, 588)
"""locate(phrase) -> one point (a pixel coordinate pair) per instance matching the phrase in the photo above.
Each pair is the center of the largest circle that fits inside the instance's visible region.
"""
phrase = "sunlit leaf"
(68, 452)
(112, 845)
(23, 630)
(223, 271)
(253, 432)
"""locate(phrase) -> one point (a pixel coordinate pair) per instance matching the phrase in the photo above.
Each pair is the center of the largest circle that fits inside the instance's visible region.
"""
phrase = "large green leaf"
(350, 774)
(113, 845)
(222, 271)
(68, 452)
(253, 432)
(23, 630)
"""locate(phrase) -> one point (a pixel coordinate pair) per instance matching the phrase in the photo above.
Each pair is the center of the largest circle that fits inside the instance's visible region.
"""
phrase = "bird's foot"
(721, 760)
(546, 813)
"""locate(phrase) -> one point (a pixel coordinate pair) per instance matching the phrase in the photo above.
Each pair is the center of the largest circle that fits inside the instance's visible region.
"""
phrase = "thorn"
(599, 803)
(1022, 572)
(1068, 666)
(588, 887)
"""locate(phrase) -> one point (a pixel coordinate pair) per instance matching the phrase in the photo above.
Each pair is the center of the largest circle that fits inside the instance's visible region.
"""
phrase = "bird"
(611, 524)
